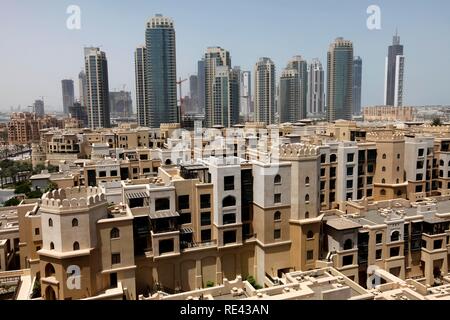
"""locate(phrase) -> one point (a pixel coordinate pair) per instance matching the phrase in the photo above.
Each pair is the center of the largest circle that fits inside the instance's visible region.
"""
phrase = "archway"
(50, 293)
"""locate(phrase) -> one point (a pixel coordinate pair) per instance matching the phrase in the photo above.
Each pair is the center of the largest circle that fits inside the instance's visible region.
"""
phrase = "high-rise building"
(143, 116)
(214, 57)
(293, 90)
(193, 94)
(78, 112)
(161, 71)
(340, 80)
(246, 95)
(316, 85)
(96, 68)
(395, 66)
(357, 81)
(38, 108)
(201, 85)
(121, 104)
(82, 88)
(264, 91)
(226, 96)
(68, 94)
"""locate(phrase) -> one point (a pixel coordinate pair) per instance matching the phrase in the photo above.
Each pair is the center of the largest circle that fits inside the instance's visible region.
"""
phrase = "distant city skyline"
(37, 73)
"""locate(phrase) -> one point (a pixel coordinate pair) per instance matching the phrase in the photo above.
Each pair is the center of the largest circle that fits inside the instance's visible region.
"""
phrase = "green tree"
(252, 281)
(51, 186)
(24, 187)
(11, 202)
(436, 122)
(34, 194)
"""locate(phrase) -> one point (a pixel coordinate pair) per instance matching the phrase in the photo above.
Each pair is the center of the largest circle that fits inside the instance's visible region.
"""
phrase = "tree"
(23, 187)
(34, 194)
(11, 202)
(252, 281)
(51, 186)
(436, 122)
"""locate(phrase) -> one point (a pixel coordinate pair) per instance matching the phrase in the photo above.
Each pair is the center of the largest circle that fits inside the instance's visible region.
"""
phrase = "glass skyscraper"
(357, 80)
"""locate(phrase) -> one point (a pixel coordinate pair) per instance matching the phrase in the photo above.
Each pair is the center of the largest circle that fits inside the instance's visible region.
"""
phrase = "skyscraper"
(140, 58)
(214, 57)
(395, 66)
(246, 95)
(293, 90)
(316, 91)
(264, 90)
(82, 88)
(120, 103)
(96, 68)
(357, 80)
(160, 71)
(225, 94)
(201, 85)
(193, 93)
(68, 94)
(38, 108)
(340, 80)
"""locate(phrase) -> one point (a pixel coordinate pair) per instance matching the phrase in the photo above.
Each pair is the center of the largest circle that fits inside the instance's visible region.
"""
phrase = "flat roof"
(342, 224)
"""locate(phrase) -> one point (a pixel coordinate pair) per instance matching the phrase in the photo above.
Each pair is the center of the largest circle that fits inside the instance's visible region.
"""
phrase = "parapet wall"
(69, 198)
(385, 136)
(297, 151)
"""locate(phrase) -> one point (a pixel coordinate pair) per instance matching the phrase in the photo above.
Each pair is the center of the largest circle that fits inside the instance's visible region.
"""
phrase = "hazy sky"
(37, 50)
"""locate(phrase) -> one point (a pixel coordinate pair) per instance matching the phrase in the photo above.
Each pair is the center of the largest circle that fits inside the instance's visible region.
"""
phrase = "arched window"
(333, 158)
(441, 163)
(383, 169)
(168, 162)
(449, 163)
(52, 246)
(76, 246)
(277, 179)
(74, 222)
(398, 181)
(49, 270)
(395, 236)
(307, 198)
(384, 156)
(115, 233)
(399, 193)
(307, 180)
(398, 155)
(383, 192)
(229, 201)
(277, 216)
(383, 181)
(398, 169)
(348, 244)
(310, 235)
(50, 222)
(307, 215)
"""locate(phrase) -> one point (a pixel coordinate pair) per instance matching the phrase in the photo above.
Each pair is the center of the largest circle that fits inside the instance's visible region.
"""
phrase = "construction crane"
(181, 108)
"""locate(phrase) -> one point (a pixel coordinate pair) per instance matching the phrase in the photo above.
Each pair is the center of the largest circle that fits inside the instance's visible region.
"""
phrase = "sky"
(37, 50)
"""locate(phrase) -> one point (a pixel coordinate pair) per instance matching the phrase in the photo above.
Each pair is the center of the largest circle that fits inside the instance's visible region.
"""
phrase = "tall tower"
(316, 92)
(293, 91)
(160, 71)
(82, 88)
(96, 68)
(140, 56)
(214, 57)
(225, 97)
(201, 85)
(395, 65)
(340, 80)
(264, 90)
(246, 95)
(357, 81)
(38, 108)
(67, 94)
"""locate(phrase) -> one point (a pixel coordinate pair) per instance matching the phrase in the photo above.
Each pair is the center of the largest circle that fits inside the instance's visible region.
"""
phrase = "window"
(50, 222)
(348, 244)
(52, 246)
(166, 246)
(277, 198)
(307, 215)
(185, 218)
(307, 180)
(307, 198)
(277, 216)
(115, 258)
(398, 169)
(229, 201)
(277, 234)
(383, 192)
(74, 222)
(102, 174)
(347, 260)
(398, 155)
(76, 246)
(205, 218)
(370, 168)
(384, 156)
(383, 169)
(38, 248)
(437, 244)
(333, 158)
(421, 152)
(229, 218)
(205, 201)
(183, 202)
(349, 184)
(369, 180)
(206, 235)
(309, 255)
(323, 158)
(333, 172)
(350, 157)
(229, 237)
(115, 233)
(113, 173)
(162, 204)
(379, 254)
(383, 181)
(322, 172)
(395, 236)
(379, 238)
(310, 235)
(349, 171)
(395, 252)
(228, 183)
(36, 231)
(277, 179)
